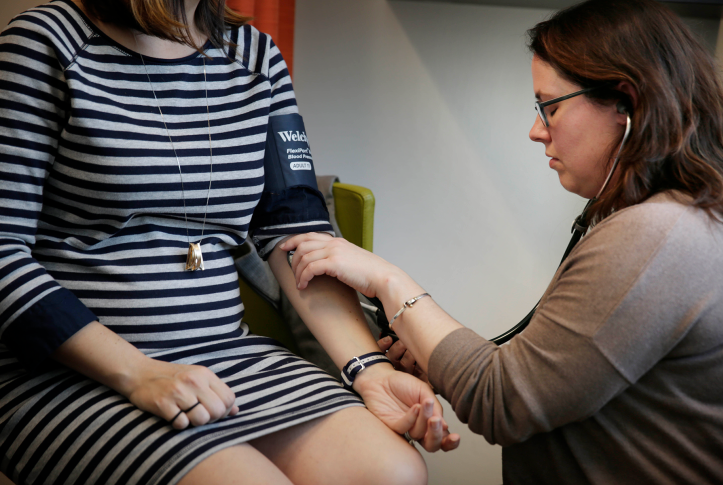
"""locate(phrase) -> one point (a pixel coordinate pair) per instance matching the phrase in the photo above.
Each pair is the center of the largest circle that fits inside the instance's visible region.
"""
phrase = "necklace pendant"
(194, 260)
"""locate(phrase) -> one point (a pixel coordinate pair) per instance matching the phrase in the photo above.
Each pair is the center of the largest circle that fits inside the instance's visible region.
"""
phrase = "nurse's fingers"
(294, 241)
(395, 353)
(317, 267)
(385, 343)
(407, 362)
(303, 249)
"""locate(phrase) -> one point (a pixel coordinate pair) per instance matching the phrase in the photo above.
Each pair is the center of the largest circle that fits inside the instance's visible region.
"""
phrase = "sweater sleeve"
(622, 301)
(297, 209)
(36, 314)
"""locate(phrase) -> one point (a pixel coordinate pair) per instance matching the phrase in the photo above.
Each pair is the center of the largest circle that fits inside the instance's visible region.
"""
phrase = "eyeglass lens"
(543, 115)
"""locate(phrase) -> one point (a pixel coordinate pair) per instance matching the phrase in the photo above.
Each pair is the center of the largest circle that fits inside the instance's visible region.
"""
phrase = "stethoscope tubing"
(579, 228)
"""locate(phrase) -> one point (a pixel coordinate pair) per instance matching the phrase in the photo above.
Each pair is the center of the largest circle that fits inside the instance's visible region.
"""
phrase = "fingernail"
(387, 339)
(416, 409)
(437, 424)
(428, 407)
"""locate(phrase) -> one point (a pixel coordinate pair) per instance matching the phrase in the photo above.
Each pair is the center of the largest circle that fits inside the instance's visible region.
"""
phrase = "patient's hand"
(165, 388)
(406, 404)
(402, 358)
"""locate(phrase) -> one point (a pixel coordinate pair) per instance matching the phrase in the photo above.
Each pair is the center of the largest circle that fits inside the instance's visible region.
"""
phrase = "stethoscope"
(579, 227)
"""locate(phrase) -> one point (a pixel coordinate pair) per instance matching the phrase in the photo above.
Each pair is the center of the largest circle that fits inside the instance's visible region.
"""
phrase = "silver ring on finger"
(408, 437)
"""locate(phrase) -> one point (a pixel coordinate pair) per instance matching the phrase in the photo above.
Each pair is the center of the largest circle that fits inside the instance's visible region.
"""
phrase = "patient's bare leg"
(350, 446)
(237, 465)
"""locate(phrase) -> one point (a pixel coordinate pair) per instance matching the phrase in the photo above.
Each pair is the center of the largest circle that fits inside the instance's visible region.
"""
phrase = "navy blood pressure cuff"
(291, 202)
(287, 162)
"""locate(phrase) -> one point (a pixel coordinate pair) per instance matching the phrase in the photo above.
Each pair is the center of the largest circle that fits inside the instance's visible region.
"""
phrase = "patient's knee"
(403, 466)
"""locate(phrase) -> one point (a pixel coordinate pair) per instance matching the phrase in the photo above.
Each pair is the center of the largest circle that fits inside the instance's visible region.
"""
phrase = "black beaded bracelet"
(358, 364)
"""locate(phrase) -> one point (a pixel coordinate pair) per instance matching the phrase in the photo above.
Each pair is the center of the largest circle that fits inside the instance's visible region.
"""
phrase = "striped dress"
(92, 227)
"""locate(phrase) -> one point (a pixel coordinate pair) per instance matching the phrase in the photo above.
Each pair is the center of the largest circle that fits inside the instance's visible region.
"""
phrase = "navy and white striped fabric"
(92, 227)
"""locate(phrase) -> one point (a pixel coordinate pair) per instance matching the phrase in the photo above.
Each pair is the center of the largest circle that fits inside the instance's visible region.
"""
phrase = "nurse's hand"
(402, 359)
(317, 254)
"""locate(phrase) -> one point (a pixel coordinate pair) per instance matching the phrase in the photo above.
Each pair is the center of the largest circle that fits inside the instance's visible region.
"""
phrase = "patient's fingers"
(419, 430)
(433, 432)
(432, 441)
(438, 438)
(408, 420)
(450, 442)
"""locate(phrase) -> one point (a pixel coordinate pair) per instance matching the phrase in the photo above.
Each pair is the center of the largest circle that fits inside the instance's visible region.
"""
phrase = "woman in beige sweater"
(619, 376)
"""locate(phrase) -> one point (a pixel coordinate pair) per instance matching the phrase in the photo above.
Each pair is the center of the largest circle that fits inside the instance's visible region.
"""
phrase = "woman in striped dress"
(120, 144)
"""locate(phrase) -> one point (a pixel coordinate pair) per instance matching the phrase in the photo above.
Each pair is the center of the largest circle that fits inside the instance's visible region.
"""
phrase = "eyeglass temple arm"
(567, 96)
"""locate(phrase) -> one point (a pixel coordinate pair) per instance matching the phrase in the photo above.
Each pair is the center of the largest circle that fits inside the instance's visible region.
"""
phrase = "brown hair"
(676, 139)
(166, 19)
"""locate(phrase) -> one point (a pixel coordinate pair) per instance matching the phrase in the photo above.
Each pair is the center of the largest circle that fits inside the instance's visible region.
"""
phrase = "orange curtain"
(273, 17)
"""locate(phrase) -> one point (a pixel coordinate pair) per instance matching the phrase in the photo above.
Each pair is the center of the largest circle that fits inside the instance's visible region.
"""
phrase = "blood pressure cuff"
(290, 202)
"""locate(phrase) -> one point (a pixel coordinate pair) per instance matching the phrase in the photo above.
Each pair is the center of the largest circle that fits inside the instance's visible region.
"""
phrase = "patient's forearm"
(330, 309)
(102, 355)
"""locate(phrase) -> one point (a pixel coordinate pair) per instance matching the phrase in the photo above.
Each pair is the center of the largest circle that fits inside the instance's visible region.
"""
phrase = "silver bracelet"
(407, 304)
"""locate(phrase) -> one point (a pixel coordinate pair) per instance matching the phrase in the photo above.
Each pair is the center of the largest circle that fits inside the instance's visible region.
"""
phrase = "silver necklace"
(194, 259)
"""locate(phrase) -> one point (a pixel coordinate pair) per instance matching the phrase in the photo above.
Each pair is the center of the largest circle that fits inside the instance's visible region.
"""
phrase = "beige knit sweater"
(619, 377)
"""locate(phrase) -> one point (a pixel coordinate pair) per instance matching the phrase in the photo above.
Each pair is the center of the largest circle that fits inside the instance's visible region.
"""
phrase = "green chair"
(354, 208)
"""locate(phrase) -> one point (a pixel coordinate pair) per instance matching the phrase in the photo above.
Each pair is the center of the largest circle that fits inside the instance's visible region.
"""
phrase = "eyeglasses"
(540, 106)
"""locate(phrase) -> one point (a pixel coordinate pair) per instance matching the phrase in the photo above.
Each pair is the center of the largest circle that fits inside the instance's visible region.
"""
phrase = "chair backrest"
(354, 206)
